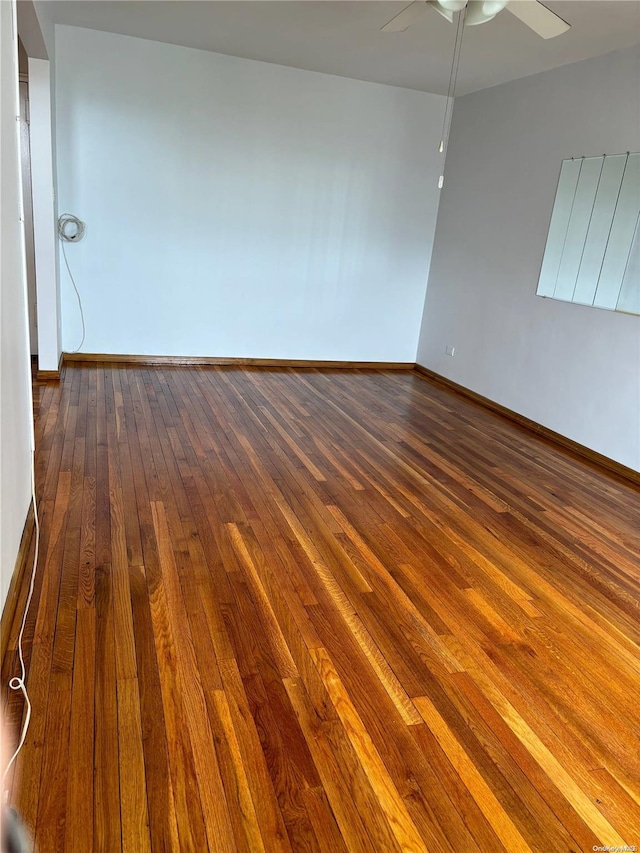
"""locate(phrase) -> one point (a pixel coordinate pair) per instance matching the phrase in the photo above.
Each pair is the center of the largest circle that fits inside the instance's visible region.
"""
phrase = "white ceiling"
(344, 38)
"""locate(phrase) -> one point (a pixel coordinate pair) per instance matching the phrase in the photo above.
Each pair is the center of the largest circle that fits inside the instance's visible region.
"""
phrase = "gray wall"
(572, 368)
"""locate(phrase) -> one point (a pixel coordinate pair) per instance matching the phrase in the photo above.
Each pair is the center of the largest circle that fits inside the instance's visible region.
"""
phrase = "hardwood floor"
(283, 610)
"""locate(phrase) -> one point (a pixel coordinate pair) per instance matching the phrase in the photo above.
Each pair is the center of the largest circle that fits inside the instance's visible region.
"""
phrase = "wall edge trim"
(184, 361)
(46, 375)
(599, 460)
(15, 585)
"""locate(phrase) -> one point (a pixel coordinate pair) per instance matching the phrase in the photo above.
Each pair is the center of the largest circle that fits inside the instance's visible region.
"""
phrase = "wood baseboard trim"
(182, 361)
(15, 585)
(541, 431)
(46, 375)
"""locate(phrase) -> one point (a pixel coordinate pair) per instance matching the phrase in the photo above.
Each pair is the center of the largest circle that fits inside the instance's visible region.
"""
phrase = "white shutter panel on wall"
(629, 300)
(599, 228)
(591, 256)
(565, 194)
(576, 235)
(621, 237)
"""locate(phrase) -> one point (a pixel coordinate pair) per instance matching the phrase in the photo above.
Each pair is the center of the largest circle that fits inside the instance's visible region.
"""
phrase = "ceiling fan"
(537, 17)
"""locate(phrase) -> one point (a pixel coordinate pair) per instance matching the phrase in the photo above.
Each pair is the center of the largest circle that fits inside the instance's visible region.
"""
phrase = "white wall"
(15, 380)
(44, 15)
(572, 368)
(44, 215)
(238, 208)
(37, 34)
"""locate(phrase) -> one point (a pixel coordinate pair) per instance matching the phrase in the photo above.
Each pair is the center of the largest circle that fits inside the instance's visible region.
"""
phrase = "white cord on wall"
(71, 230)
(18, 683)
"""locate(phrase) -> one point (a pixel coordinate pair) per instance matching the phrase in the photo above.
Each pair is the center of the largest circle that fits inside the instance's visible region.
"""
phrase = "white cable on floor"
(19, 682)
(74, 236)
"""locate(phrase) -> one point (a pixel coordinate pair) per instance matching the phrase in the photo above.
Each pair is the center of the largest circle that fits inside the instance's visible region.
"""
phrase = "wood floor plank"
(106, 809)
(80, 777)
(321, 610)
(391, 803)
(268, 814)
(133, 786)
(360, 818)
(214, 807)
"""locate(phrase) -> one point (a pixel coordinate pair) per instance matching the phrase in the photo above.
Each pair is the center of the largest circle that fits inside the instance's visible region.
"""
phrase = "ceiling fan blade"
(403, 20)
(541, 20)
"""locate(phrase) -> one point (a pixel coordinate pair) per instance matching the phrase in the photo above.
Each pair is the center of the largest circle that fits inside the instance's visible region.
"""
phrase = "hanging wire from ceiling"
(453, 79)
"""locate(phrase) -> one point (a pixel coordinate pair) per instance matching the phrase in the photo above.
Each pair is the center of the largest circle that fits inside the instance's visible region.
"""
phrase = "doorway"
(27, 203)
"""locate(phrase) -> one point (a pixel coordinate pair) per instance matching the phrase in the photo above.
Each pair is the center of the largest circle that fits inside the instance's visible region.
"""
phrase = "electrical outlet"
(450, 350)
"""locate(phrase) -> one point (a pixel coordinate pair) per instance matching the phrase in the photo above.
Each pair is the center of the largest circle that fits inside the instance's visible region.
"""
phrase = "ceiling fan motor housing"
(478, 11)
(532, 13)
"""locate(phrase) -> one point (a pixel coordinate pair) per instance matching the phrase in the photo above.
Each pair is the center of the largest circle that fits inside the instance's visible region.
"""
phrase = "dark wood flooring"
(345, 610)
